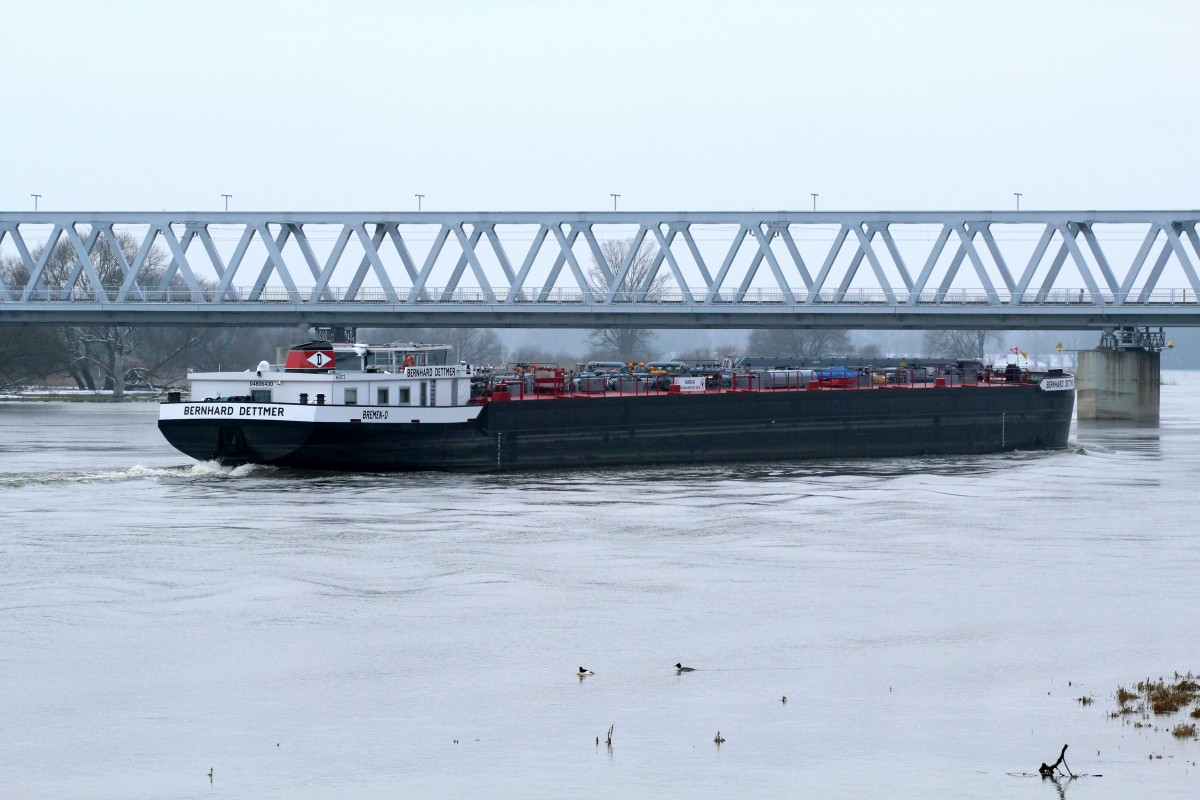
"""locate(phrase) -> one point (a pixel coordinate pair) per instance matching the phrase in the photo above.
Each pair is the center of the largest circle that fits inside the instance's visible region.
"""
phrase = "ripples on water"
(328, 635)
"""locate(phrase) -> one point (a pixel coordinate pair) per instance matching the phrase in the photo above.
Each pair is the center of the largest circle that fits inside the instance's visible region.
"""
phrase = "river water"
(930, 620)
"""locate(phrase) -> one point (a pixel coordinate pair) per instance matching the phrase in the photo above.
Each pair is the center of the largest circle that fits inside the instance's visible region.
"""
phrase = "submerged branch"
(1047, 770)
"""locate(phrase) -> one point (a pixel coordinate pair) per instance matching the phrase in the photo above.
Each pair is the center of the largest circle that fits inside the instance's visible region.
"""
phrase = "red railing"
(561, 386)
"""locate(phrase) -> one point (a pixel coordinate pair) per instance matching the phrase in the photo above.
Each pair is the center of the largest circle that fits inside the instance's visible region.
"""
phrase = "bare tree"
(475, 345)
(715, 352)
(532, 354)
(219, 349)
(86, 347)
(29, 354)
(957, 343)
(870, 350)
(119, 353)
(800, 342)
(106, 348)
(625, 343)
(163, 355)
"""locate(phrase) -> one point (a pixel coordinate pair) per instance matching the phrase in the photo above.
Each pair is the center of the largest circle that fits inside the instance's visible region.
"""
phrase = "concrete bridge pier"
(1120, 379)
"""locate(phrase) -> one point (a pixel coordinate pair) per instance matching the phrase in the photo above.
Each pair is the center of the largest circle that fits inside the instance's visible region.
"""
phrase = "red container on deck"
(547, 381)
(500, 393)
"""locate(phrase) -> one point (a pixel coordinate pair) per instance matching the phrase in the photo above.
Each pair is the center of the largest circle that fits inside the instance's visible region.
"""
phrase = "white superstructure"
(375, 378)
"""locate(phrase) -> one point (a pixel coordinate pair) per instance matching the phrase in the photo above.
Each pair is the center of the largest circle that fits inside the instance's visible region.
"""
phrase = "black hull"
(670, 429)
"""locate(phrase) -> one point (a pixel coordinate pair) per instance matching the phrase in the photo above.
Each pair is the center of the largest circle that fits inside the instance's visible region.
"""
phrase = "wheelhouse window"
(381, 396)
(404, 396)
(351, 397)
(260, 395)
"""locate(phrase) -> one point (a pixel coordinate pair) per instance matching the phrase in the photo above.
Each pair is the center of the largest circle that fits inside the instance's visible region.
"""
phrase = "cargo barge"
(403, 407)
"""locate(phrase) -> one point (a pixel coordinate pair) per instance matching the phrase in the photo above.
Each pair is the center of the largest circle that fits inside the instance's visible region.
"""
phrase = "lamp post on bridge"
(614, 197)
(1018, 196)
(227, 196)
(815, 195)
(419, 197)
(35, 197)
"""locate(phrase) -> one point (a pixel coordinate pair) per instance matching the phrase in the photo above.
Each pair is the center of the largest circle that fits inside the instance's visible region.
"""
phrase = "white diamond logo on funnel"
(318, 359)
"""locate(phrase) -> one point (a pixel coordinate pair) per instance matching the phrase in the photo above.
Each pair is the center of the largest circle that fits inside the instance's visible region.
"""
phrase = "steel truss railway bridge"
(882, 270)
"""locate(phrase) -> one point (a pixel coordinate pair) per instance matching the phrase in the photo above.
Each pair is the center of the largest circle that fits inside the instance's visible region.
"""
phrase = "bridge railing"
(308, 296)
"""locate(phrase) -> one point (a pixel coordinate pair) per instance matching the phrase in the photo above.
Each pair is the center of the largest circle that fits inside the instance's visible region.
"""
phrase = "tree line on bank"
(112, 357)
(117, 358)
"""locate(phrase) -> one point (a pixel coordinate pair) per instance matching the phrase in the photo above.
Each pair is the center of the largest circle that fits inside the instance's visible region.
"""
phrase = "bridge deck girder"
(447, 315)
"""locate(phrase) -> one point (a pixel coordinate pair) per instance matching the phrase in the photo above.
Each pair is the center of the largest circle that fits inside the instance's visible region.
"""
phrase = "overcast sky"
(538, 105)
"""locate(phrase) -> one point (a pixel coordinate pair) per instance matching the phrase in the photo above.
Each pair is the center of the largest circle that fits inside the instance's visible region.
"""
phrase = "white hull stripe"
(1064, 384)
(278, 412)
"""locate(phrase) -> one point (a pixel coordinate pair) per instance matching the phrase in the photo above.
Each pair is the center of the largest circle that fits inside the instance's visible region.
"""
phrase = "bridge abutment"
(1119, 383)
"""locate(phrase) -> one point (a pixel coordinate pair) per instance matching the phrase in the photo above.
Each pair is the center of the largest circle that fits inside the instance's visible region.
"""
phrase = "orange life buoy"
(409, 361)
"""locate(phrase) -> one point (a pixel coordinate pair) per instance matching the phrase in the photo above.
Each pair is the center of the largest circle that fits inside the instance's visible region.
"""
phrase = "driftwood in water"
(1047, 770)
